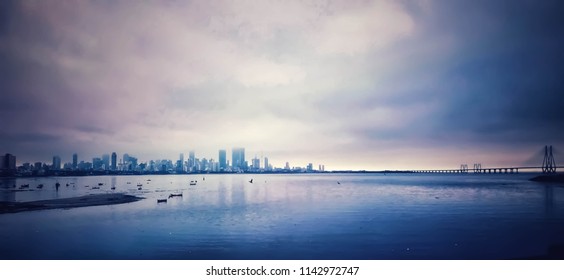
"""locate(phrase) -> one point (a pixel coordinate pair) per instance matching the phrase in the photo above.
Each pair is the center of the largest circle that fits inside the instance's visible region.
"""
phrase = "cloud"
(267, 73)
(356, 29)
(341, 81)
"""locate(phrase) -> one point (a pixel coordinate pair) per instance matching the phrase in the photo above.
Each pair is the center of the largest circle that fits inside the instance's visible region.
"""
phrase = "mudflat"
(65, 203)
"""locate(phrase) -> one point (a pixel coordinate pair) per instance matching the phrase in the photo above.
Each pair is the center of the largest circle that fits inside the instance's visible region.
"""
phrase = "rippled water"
(326, 216)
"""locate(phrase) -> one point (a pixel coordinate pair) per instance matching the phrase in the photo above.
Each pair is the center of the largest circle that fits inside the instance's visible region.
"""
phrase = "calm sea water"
(289, 217)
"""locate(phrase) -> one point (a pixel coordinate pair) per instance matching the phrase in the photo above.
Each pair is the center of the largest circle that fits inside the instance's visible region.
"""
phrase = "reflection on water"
(549, 200)
(288, 217)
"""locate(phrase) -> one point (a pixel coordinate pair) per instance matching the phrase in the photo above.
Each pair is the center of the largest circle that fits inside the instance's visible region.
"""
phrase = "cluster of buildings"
(128, 164)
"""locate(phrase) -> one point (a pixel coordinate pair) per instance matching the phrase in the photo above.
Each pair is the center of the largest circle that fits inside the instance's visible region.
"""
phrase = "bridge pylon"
(477, 168)
(548, 164)
(463, 168)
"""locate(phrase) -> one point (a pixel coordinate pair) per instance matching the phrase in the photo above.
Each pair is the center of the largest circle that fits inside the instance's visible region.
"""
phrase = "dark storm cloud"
(37, 109)
(475, 73)
(504, 76)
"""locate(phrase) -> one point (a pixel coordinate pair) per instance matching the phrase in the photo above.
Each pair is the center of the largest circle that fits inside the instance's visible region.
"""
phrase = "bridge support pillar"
(548, 164)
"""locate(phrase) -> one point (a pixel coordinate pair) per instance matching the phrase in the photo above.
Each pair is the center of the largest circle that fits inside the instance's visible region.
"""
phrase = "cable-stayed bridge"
(548, 167)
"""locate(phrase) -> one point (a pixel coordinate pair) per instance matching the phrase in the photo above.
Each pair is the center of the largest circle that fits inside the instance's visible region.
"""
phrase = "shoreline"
(67, 203)
(385, 172)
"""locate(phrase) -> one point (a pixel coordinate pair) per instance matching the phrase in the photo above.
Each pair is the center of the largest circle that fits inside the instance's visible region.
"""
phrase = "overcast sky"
(349, 84)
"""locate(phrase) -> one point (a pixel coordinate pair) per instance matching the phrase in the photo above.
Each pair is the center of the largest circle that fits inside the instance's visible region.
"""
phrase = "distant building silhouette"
(222, 160)
(114, 161)
(74, 161)
(180, 163)
(191, 161)
(56, 163)
(106, 161)
(238, 159)
(7, 164)
(97, 163)
(256, 164)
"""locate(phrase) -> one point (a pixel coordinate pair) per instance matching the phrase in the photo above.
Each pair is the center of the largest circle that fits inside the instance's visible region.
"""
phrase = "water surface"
(305, 216)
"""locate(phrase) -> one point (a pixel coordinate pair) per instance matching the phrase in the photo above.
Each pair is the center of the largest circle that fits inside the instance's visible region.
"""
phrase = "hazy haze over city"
(348, 84)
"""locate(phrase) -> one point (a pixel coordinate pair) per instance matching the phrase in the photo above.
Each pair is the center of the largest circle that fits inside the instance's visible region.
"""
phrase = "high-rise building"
(222, 160)
(106, 161)
(114, 161)
(256, 164)
(56, 163)
(97, 163)
(8, 162)
(238, 159)
(266, 164)
(191, 161)
(180, 164)
(74, 161)
(132, 164)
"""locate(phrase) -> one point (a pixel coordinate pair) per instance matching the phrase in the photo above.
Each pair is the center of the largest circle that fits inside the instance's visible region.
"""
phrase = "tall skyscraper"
(222, 160)
(238, 158)
(74, 161)
(191, 161)
(56, 163)
(106, 161)
(180, 163)
(114, 161)
(266, 163)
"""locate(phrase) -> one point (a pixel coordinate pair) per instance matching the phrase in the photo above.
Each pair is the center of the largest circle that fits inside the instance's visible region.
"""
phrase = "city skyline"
(9, 165)
(353, 85)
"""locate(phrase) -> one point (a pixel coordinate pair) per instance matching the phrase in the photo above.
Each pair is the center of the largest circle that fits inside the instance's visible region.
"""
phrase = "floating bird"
(338, 183)
(251, 181)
